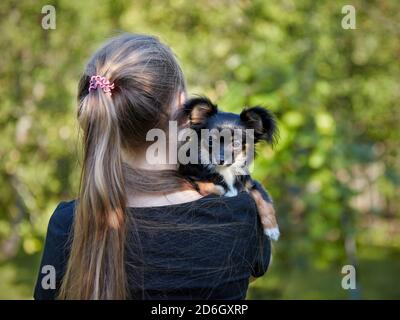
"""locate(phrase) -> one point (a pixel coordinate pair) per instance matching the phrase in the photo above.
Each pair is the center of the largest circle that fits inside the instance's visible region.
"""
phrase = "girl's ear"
(199, 109)
(181, 98)
(262, 121)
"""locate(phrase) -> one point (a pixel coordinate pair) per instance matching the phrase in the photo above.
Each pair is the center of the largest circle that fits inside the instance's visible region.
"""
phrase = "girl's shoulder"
(209, 209)
(62, 217)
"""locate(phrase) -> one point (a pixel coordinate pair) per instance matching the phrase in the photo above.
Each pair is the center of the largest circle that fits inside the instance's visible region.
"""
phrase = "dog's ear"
(263, 122)
(199, 109)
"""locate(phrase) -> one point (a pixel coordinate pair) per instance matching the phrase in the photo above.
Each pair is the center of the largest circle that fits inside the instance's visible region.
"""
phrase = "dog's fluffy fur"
(214, 173)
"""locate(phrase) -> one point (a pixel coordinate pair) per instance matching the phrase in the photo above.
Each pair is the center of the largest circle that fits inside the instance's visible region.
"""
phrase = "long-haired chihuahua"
(225, 150)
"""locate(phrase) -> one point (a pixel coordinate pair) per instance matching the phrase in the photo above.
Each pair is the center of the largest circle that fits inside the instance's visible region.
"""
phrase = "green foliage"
(334, 175)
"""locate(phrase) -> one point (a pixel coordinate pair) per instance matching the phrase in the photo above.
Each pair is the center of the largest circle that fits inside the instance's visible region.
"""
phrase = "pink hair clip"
(102, 82)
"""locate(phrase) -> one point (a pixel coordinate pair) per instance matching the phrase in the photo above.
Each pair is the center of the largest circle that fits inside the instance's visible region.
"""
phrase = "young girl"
(135, 230)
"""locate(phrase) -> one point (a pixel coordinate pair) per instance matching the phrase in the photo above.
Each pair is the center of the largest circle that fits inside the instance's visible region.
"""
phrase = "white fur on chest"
(229, 176)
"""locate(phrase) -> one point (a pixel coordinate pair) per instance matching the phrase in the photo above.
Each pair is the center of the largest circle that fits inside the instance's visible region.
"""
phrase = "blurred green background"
(335, 174)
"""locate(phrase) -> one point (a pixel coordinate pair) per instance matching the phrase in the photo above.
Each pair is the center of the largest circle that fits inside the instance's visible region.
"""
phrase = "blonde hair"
(147, 78)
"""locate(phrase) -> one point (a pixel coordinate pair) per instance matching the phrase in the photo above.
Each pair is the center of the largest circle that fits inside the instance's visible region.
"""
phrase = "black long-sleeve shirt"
(205, 249)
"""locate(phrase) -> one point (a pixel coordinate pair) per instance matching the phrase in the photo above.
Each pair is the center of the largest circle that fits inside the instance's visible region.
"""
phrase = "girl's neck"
(156, 199)
(140, 161)
(162, 199)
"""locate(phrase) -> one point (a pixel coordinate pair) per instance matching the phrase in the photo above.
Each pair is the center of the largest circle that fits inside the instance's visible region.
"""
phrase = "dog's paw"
(272, 233)
(206, 188)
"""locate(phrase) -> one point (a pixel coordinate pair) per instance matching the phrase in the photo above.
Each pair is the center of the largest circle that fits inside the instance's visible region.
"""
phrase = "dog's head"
(228, 139)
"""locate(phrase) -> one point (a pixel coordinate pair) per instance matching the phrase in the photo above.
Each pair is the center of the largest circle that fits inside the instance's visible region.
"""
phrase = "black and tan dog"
(225, 143)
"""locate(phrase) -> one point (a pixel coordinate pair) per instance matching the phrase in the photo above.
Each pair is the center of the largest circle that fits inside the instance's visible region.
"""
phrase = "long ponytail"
(99, 225)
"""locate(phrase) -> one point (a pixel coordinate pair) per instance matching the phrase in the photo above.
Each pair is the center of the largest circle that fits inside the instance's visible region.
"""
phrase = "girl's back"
(205, 249)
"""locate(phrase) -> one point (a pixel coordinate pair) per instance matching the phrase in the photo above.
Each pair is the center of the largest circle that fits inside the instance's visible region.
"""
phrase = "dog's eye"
(236, 144)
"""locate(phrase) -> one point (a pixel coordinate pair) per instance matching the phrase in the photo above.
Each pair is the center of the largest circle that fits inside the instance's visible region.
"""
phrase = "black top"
(205, 249)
